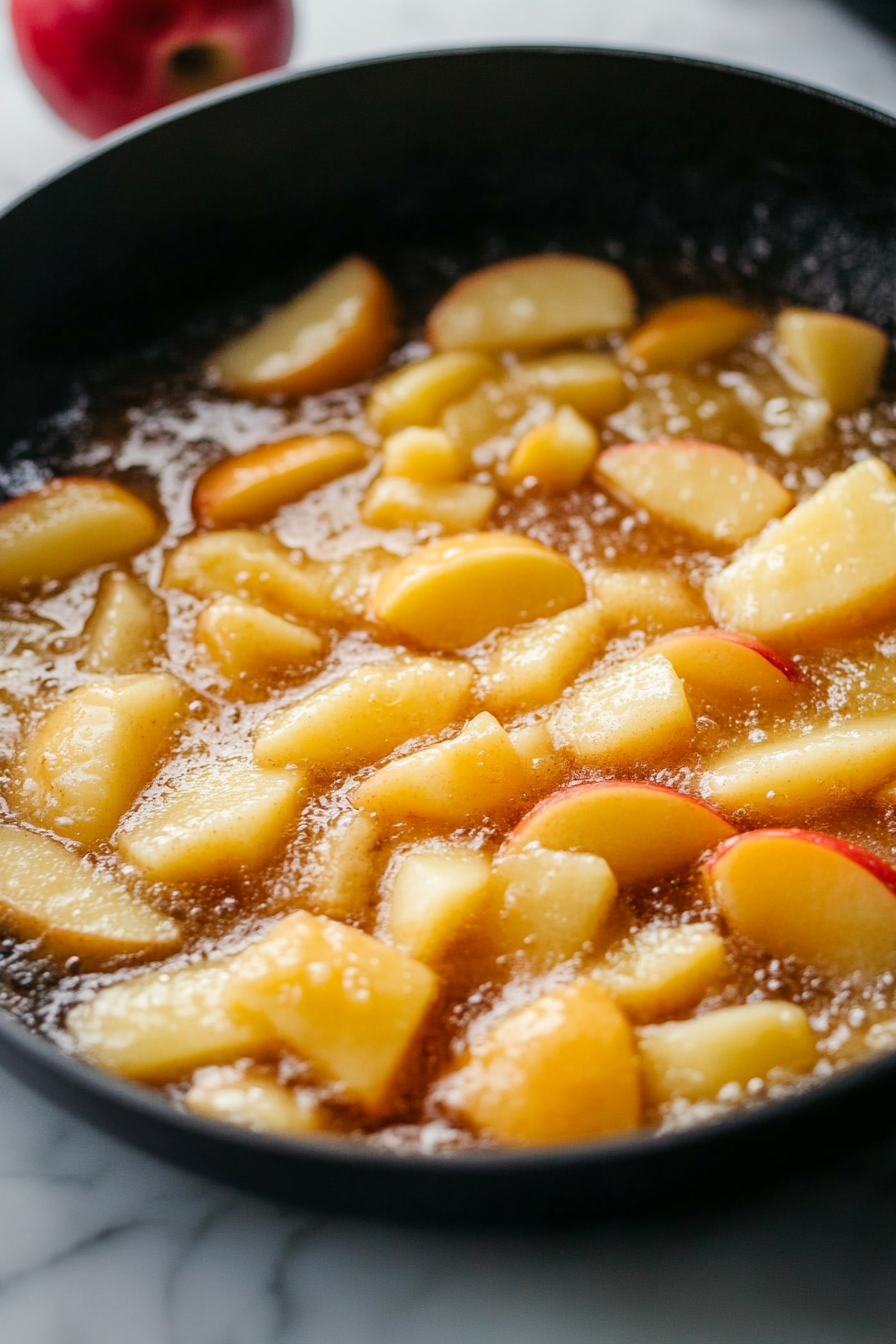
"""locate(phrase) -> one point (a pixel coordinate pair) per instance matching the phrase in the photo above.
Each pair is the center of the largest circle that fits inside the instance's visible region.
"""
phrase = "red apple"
(724, 664)
(102, 63)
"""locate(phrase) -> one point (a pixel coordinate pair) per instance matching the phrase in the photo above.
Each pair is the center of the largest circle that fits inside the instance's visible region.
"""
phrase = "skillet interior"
(691, 176)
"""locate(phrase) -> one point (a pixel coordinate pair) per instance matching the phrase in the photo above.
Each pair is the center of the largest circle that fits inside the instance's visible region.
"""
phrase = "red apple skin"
(877, 867)
(788, 670)
(103, 63)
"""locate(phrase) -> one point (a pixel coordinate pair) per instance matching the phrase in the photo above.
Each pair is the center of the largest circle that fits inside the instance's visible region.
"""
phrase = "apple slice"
(416, 394)
(662, 970)
(686, 331)
(343, 868)
(642, 830)
(722, 665)
(452, 593)
(71, 909)
(248, 565)
(251, 487)
(840, 358)
(248, 642)
(436, 894)
(252, 1100)
(651, 600)
(123, 627)
(708, 491)
(828, 568)
(68, 526)
(530, 302)
(590, 383)
(453, 506)
(789, 777)
(551, 903)
(425, 455)
(556, 455)
(335, 332)
(545, 766)
(532, 666)
(799, 894)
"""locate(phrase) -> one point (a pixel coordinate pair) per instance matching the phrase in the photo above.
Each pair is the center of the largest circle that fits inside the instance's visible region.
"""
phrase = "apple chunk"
(662, 970)
(552, 904)
(416, 394)
(248, 642)
(590, 383)
(635, 713)
(83, 766)
(436, 894)
(124, 626)
(344, 1000)
(799, 894)
(723, 666)
(642, 830)
(252, 1100)
(452, 593)
(686, 331)
(789, 777)
(72, 909)
(556, 455)
(343, 869)
(424, 455)
(532, 666)
(530, 302)
(335, 332)
(827, 568)
(225, 819)
(252, 487)
(709, 491)
(248, 565)
(651, 600)
(451, 506)
(839, 357)
(696, 1059)
(559, 1070)
(68, 526)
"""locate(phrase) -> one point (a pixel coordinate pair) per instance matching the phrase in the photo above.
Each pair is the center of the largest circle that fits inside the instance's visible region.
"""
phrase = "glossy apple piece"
(251, 566)
(686, 331)
(435, 896)
(722, 665)
(49, 894)
(252, 487)
(247, 642)
(800, 894)
(544, 765)
(425, 455)
(532, 302)
(552, 904)
(334, 332)
(342, 868)
(708, 491)
(68, 526)
(651, 600)
(591, 383)
(790, 777)
(452, 593)
(642, 830)
(532, 666)
(556, 455)
(839, 357)
(252, 1100)
(124, 626)
(453, 507)
(416, 394)
(829, 567)
(662, 969)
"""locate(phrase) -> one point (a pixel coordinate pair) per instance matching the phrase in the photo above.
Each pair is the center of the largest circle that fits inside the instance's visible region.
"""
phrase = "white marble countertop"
(99, 1245)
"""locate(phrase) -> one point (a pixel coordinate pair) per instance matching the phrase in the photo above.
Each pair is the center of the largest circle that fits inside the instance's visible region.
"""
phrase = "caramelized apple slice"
(450, 594)
(50, 894)
(723, 666)
(556, 455)
(789, 777)
(651, 600)
(642, 830)
(340, 998)
(426, 455)
(416, 394)
(829, 567)
(223, 820)
(248, 642)
(436, 894)
(637, 712)
(532, 666)
(252, 1100)
(686, 331)
(248, 565)
(590, 383)
(531, 302)
(706, 490)
(454, 507)
(840, 358)
(545, 766)
(252, 487)
(662, 970)
(696, 1059)
(83, 766)
(342, 868)
(551, 903)
(123, 626)
(335, 332)
(68, 526)
(559, 1070)
(799, 894)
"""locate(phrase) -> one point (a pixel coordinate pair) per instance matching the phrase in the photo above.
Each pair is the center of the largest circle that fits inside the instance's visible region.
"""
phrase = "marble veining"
(100, 1245)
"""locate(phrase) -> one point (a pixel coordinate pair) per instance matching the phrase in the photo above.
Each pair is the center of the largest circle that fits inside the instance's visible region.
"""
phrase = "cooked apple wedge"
(49, 894)
(252, 1100)
(532, 302)
(83, 766)
(70, 525)
(425, 455)
(342, 866)
(416, 394)
(590, 383)
(452, 593)
(532, 666)
(251, 487)
(840, 358)
(552, 904)
(248, 565)
(453, 507)
(651, 600)
(696, 1059)
(544, 765)
(123, 627)
(224, 819)
(560, 1069)
(336, 331)
(827, 568)
(686, 331)
(662, 970)
(723, 666)
(711, 492)
(556, 455)
(472, 776)
(161, 1024)
(248, 642)
(364, 715)
(799, 894)
(790, 777)
(435, 896)
(635, 713)
(344, 1000)
(642, 830)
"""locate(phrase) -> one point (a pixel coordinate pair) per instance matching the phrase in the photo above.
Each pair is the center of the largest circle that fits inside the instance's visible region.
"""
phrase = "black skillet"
(692, 176)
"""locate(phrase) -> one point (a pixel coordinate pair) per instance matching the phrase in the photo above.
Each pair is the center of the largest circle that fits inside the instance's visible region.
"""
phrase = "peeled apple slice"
(839, 357)
(685, 331)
